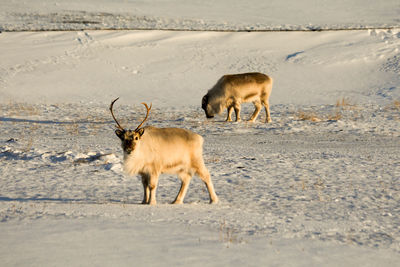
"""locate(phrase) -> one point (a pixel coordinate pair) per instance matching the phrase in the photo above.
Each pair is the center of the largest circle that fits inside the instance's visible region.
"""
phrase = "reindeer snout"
(128, 151)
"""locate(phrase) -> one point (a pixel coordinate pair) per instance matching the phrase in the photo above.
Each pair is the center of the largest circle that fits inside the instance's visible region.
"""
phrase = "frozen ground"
(293, 192)
(318, 186)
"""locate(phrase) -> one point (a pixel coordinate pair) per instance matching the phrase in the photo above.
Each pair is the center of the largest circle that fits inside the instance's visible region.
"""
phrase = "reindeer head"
(129, 138)
(207, 108)
(212, 105)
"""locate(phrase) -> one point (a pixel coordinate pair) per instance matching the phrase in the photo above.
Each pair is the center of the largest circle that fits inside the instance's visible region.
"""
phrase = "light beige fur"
(152, 151)
(232, 90)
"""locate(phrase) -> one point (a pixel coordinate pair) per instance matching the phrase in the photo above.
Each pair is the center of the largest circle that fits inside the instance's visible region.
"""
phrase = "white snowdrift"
(175, 69)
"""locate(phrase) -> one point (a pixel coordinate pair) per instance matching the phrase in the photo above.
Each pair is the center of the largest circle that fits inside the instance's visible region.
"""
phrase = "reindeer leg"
(185, 178)
(146, 189)
(230, 109)
(268, 115)
(237, 111)
(205, 177)
(153, 188)
(257, 104)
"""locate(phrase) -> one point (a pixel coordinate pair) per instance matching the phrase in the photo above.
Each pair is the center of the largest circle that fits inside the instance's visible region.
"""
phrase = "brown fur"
(232, 90)
(152, 151)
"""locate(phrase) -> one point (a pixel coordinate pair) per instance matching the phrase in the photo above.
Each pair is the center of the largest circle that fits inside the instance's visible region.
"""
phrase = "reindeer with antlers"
(151, 151)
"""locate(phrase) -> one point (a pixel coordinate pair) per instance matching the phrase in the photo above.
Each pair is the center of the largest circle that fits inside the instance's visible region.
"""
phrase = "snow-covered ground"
(320, 185)
(226, 15)
(175, 69)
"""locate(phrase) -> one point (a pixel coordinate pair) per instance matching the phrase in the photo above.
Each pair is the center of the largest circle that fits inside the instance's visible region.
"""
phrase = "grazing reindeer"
(151, 151)
(232, 90)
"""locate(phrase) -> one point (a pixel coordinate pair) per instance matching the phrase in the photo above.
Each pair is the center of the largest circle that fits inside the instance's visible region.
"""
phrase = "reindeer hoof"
(214, 201)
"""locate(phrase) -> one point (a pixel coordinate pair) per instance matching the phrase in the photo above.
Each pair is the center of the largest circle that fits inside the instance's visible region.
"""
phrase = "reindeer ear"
(141, 132)
(120, 134)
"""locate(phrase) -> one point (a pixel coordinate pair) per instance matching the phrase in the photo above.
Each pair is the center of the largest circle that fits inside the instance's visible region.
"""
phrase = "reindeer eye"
(136, 138)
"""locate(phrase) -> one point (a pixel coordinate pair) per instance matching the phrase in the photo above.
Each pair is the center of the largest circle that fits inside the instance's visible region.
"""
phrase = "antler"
(112, 113)
(147, 115)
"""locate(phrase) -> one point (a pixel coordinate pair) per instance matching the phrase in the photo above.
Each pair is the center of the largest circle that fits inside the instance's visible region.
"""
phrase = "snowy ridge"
(82, 20)
(208, 15)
